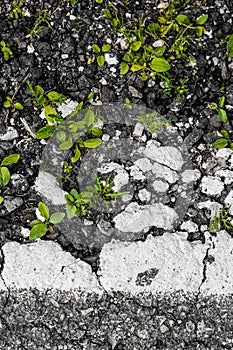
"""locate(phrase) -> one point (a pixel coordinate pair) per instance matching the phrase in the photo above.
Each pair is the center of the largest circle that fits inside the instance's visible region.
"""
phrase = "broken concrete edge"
(163, 264)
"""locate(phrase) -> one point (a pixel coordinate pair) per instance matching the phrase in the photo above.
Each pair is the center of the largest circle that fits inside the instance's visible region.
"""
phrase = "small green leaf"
(61, 136)
(92, 143)
(201, 20)
(4, 176)
(136, 67)
(124, 68)
(95, 131)
(64, 146)
(230, 46)
(38, 90)
(128, 57)
(53, 96)
(199, 31)
(35, 222)
(106, 48)
(45, 132)
(231, 146)
(74, 193)
(100, 60)
(180, 19)
(56, 218)
(220, 143)
(135, 46)
(38, 231)
(44, 210)
(213, 105)
(77, 155)
(1, 199)
(7, 104)
(89, 118)
(48, 111)
(71, 211)
(96, 48)
(221, 101)
(159, 65)
(11, 159)
(222, 115)
(225, 134)
(18, 106)
(159, 51)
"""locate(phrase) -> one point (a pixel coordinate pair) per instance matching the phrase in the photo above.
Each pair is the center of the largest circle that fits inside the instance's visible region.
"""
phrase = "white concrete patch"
(165, 155)
(45, 265)
(178, 262)
(219, 272)
(160, 171)
(47, 185)
(136, 218)
(212, 185)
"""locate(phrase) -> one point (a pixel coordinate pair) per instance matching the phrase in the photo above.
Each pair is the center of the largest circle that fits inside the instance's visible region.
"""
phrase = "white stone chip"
(227, 174)
(160, 186)
(179, 264)
(189, 226)
(110, 60)
(165, 155)
(10, 134)
(212, 185)
(144, 195)
(229, 201)
(190, 175)
(138, 130)
(224, 153)
(137, 218)
(47, 185)
(44, 265)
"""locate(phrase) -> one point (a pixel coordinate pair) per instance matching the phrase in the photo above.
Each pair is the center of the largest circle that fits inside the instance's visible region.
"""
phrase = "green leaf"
(159, 51)
(18, 106)
(201, 20)
(71, 211)
(221, 102)
(74, 193)
(47, 111)
(213, 105)
(53, 96)
(11, 159)
(89, 117)
(225, 134)
(61, 136)
(4, 176)
(38, 90)
(1, 199)
(95, 131)
(159, 65)
(231, 146)
(230, 46)
(180, 19)
(64, 146)
(92, 143)
(124, 68)
(136, 67)
(35, 222)
(96, 48)
(221, 143)
(100, 60)
(77, 155)
(44, 210)
(38, 231)
(45, 132)
(128, 57)
(106, 48)
(7, 103)
(199, 31)
(135, 46)
(56, 218)
(222, 115)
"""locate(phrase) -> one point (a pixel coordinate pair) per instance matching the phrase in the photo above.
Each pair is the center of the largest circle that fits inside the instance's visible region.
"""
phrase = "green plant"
(40, 227)
(9, 103)
(73, 2)
(42, 19)
(219, 107)
(54, 119)
(222, 221)
(6, 50)
(230, 45)
(224, 141)
(180, 89)
(78, 203)
(5, 175)
(45, 98)
(16, 9)
(153, 121)
(97, 50)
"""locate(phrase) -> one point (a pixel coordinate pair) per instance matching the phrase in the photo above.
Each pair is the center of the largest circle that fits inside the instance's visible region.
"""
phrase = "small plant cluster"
(16, 9)
(154, 122)
(98, 56)
(102, 191)
(14, 105)
(6, 50)
(42, 19)
(149, 58)
(224, 141)
(222, 221)
(219, 108)
(5, 175)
